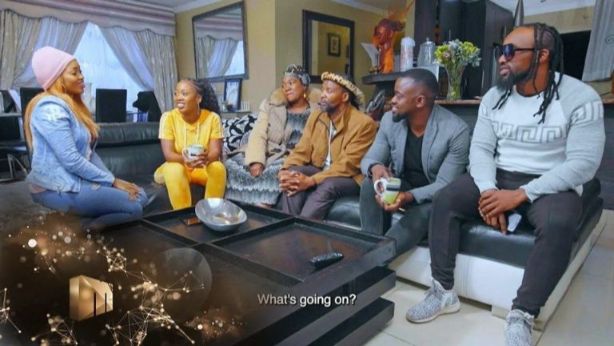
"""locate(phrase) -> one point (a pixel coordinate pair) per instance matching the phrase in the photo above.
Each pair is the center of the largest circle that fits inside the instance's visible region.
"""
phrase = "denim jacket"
(61, 152)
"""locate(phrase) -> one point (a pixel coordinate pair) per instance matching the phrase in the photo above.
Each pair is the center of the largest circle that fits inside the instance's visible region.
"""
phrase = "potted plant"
(454, 56)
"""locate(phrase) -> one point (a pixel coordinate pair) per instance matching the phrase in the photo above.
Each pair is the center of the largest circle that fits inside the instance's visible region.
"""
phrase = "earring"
(305, 95)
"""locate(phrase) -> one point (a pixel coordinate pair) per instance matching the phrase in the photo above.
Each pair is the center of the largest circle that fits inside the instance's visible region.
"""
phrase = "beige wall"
(289, 34)
(580, 19)
(326, 62)
(603, 88)
(411, 20)
(275, 40)
(260, 18)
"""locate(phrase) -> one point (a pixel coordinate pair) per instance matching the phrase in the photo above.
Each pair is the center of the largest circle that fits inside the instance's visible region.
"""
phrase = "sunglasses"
(508, 50)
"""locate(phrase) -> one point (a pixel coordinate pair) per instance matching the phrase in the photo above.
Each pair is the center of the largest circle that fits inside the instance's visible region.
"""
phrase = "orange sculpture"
(384, 37)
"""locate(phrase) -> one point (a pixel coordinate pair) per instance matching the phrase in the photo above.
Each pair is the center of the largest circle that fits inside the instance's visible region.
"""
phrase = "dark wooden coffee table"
(268, 255)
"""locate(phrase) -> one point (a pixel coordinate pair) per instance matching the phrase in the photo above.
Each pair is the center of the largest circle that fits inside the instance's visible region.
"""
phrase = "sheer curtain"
(599, 62)
(102, 68)
(129, 54)
(204, 45)
(128, 14)
(237, 63)
(55, 33)
(160, 53)
(147, 57)
(218, 54)
(19, 35)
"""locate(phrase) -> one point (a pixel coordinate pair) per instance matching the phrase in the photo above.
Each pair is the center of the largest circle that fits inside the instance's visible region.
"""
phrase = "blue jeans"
(105, 205)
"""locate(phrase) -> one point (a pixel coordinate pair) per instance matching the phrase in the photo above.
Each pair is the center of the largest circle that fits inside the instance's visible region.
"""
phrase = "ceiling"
(174, 5)
(376, 6)
(167, 3)
(531, 7)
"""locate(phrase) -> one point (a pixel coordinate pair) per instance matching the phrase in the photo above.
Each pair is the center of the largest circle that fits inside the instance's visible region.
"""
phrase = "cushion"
(132, 160)
(126, 134)
(235, 129)
(345, 210)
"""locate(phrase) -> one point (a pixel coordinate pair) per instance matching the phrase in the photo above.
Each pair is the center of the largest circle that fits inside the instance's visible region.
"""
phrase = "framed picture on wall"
(232, 94)
(334, 44)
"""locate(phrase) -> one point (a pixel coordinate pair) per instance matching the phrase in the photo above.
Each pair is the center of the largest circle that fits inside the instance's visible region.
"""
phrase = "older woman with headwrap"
(252, 169)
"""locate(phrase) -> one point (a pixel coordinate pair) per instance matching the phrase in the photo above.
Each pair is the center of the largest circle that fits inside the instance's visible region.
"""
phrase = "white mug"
(193, 150)
(390, 188)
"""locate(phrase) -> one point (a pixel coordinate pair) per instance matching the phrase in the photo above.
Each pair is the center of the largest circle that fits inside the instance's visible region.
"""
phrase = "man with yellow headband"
(325, 164)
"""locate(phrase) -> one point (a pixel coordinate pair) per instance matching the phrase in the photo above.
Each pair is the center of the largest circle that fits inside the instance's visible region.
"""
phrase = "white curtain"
(125, 46)
(204, 48)
(131, 15)
(19, 35)
(102, 69)
(599, 62)
(160, 53)
(217, 55)
(55, 33)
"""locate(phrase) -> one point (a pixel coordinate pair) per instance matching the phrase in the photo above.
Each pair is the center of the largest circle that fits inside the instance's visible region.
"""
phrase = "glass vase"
(455, 76)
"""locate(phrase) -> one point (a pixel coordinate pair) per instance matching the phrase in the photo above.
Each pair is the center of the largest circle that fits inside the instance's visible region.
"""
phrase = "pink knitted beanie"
(48, 64)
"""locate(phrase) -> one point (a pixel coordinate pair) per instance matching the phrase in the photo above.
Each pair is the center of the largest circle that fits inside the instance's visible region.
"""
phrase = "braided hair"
(545, 37)
(205, 90)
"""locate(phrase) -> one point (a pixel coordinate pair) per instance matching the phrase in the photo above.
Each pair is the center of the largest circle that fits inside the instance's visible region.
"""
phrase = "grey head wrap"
(298, 72)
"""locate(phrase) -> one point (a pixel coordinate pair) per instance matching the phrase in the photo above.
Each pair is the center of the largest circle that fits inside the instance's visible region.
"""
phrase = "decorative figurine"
(383, 41)
(384, 37)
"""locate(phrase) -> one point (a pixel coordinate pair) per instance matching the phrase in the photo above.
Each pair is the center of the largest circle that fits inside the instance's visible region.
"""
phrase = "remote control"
(326, 259)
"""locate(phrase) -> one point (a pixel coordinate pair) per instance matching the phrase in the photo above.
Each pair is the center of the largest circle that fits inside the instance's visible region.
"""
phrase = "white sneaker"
(518, 328)
(438, 301)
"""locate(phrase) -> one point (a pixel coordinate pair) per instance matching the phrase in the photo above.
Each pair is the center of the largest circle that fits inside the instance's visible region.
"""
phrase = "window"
(237, 64)
(102, 69)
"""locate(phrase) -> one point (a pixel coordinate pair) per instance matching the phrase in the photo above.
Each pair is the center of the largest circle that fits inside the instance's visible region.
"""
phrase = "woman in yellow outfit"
(193, 121)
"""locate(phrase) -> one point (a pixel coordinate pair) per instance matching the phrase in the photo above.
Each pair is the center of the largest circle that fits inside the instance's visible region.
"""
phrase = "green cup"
(388, 189)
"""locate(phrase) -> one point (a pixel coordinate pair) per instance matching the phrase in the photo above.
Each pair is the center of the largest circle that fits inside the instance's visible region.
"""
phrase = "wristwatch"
(369, 173)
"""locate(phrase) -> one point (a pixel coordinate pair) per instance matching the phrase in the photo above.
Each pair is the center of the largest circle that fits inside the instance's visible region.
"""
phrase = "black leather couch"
(132, 152)
(489, 266)
(483, 241)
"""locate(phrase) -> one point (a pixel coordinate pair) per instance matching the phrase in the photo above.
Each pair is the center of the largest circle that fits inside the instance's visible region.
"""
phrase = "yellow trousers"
(177, 178)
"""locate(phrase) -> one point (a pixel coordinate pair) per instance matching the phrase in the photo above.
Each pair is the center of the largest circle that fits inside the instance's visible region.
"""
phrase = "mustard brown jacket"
(355, 134)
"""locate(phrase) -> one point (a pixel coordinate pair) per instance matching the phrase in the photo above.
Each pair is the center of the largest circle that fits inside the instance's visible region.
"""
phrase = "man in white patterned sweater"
(539, 136)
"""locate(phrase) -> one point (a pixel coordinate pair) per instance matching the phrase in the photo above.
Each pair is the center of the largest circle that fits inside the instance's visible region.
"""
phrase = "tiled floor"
(585, 316)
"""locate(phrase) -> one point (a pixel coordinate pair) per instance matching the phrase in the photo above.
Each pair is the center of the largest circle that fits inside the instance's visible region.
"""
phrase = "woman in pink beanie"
(67, 175)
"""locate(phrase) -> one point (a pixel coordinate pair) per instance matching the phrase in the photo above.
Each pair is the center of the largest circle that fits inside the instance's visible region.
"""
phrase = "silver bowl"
(219, 214)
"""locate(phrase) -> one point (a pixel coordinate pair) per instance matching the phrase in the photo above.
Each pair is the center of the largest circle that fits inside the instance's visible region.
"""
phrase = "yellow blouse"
(174, 128)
